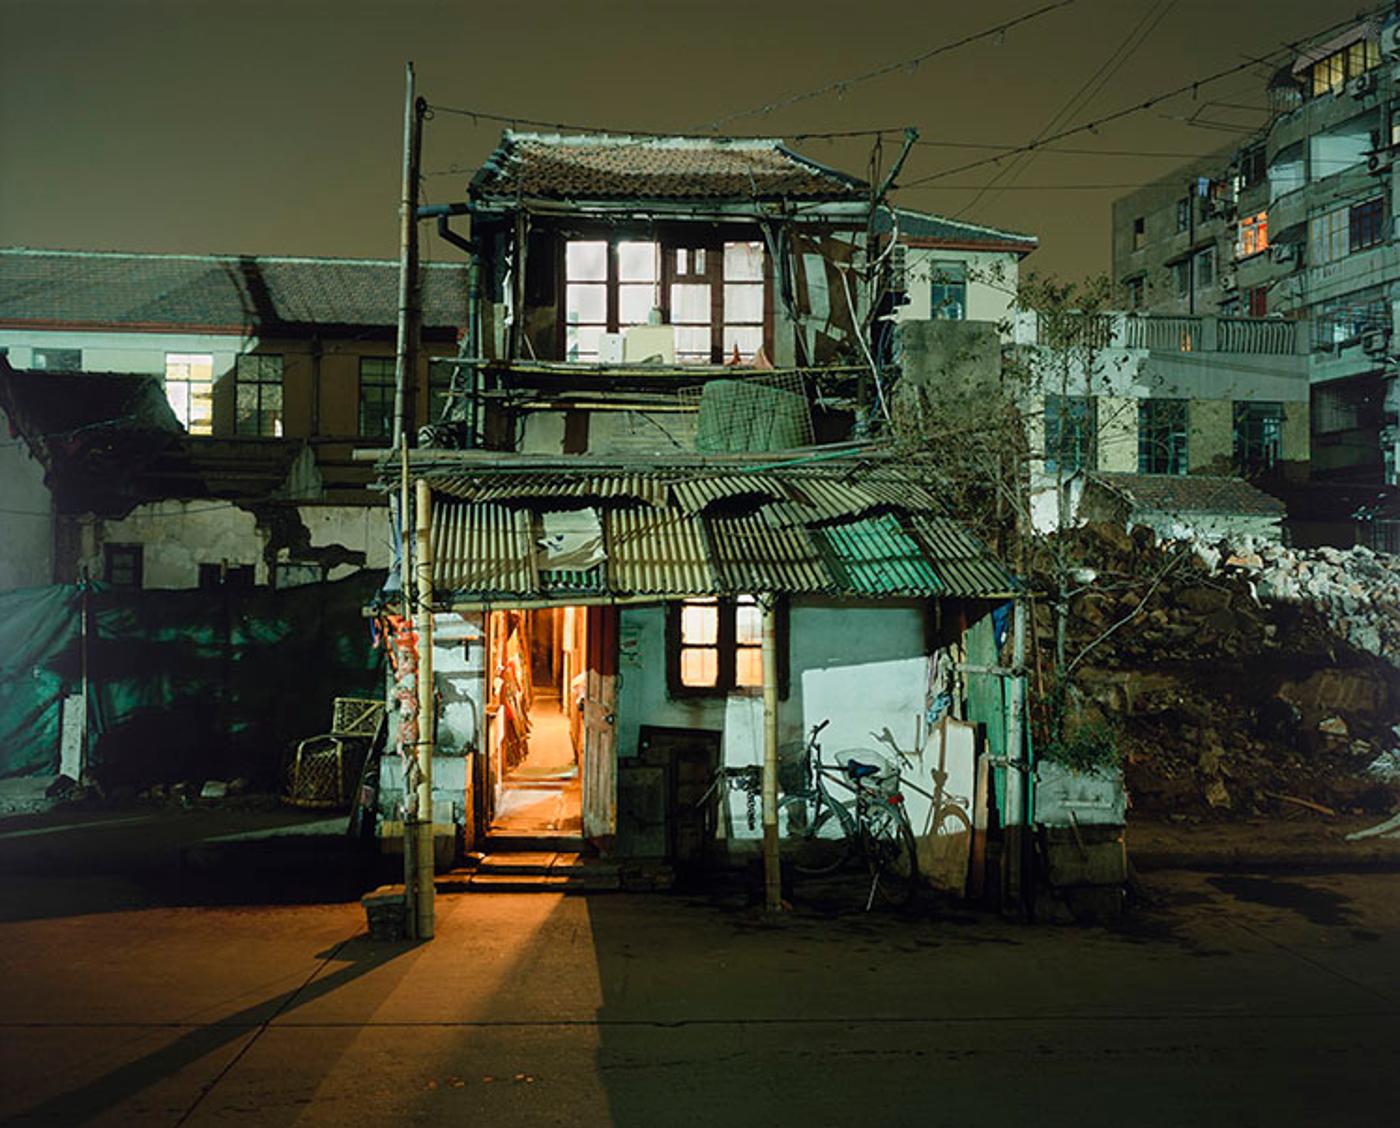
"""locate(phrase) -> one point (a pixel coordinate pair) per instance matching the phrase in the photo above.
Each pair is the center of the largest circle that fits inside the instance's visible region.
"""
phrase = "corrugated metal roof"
(654, 552)
(751, 556)
(877, 557)
(484, 549)
(816, 536)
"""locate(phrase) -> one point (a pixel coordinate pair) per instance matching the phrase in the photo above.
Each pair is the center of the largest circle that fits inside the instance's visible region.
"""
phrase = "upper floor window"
(1253, 235)
(189, 386)
(377, 386)
(948, 292)
(1181, 277)
(1069, 433)
(122, 564)
(1345, 230)
(1258, 301)
(1253, 168)
(713, 295)
(1136, 291)
(1343, 320)
(1139, 233)
(1183, 214)
(1366, 224)
(1330, 73)
(1204, 265)
(1162, 436)
(257, 381)
(56, 360)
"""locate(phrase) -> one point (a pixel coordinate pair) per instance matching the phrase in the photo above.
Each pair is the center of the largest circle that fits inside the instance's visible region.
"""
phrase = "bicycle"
(873, 822)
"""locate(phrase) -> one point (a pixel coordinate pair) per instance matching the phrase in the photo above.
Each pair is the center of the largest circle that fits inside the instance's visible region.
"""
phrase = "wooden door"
(599, 728)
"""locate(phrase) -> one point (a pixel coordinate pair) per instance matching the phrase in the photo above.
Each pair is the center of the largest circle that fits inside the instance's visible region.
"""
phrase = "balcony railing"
(1258, 336)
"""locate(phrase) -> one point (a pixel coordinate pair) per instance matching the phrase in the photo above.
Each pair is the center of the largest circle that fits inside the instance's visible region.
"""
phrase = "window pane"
(743, 262)
(699, 667)
(586, 261)
(690, 303)
(634, 303)
(693, 343)
(743, 303)
(586, 304)
(201, 408)
(581, 342)
(748, 337)
(638, 262)
(247, 413)
(748, 622)
(748, 666)
(699, 623)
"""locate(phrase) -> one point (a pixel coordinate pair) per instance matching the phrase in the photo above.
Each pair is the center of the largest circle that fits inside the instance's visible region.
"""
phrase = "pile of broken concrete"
(1245, 679)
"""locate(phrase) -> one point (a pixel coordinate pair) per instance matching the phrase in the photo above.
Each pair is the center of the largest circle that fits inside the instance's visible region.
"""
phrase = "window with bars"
(123, 564)
(189, 387)
(716, 645)
(1162, 436)
(257, 380)
(1366, 224)
(1069, 433)
(377, 396)
(1258, 435)
(1344, 320)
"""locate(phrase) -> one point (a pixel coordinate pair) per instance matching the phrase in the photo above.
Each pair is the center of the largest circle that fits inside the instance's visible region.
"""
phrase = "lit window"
(377, 386)
(1162, 436)
(189, 386)
(585, 297)
(717, 645)
(1253, 235)
(258, 396)
(1329, 75)
(743, 300)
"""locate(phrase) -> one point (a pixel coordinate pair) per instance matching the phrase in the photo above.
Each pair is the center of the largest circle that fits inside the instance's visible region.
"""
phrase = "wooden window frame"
(268, 422)
(380, 384)
(670, 238)
(724, 684)
(137, 555)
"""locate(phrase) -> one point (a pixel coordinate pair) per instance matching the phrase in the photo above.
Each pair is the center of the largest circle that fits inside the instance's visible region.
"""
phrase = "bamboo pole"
(427, 712)
(1017, 783)
(772, 871)
(410, 797)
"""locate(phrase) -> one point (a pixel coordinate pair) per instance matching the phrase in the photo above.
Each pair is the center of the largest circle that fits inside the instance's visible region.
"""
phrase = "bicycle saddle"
(856, 770)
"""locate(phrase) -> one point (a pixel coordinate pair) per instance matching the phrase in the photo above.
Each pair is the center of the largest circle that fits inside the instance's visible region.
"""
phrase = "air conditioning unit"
(1376, 343)
(1362, 85)
(1285, 254)
(1380, 161)
(1227, 281)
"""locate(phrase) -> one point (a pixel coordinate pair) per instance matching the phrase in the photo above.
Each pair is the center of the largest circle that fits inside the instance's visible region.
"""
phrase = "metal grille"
(767, 412)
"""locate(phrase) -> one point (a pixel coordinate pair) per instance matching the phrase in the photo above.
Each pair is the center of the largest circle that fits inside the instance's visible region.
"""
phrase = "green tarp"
(183, 684)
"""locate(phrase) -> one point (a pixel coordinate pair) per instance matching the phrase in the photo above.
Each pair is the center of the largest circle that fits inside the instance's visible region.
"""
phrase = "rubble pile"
(1244, 679)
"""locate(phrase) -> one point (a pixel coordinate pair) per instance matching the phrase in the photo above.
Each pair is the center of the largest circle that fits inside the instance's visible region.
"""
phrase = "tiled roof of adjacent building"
(611, 167)
(1192, 493)
(254, 291)
(923, 227)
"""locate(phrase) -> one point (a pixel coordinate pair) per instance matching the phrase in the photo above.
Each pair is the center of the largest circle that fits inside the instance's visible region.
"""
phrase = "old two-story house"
(674, 360)
(254, 378)
(1296, 222)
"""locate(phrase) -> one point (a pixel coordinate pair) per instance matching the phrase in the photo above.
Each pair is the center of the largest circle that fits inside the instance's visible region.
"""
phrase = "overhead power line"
(841, 85)
(1116, 115)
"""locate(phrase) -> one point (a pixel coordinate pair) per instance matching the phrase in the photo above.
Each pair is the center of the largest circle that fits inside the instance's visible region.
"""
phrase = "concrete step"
(533, 872)
(534, 843)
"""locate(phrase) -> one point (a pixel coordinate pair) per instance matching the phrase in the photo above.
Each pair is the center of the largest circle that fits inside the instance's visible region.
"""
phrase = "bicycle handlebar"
(818, 728)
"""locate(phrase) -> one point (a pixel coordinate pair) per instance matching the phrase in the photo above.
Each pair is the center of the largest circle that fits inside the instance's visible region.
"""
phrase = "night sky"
(276, 128)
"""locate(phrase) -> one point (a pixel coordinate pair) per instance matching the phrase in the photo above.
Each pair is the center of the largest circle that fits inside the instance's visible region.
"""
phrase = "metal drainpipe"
(443, 214)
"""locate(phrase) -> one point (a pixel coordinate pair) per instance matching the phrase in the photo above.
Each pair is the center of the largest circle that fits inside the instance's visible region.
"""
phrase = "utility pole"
(410, 284)
(772, 872)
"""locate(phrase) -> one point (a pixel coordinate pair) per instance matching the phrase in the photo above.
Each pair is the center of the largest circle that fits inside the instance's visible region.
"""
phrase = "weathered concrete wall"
(1210, 439)
(950, 357)
(1296, 441)
(1117, 433)
(26, 517)
(176, 538)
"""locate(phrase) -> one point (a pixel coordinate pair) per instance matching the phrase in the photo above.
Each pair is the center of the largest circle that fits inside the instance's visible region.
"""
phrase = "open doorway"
(549, 726)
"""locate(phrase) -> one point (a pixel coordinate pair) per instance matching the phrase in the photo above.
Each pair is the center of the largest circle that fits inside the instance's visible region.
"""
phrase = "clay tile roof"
(607, 167)
(1192, 493)
(114, 288)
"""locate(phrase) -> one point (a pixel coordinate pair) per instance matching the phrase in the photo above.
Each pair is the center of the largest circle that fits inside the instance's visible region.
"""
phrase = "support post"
(772, 870)
(406, 357)
(409, 763)
(427, 712)
(1017, 815)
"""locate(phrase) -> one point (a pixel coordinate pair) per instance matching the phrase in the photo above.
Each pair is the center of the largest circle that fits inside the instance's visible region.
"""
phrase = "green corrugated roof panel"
(876, 556)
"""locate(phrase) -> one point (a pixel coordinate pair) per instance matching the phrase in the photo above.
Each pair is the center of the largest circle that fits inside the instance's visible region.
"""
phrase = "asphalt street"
(1232, 998)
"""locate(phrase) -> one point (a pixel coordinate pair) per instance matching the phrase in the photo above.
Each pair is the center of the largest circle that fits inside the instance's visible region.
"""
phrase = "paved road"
(1235, 999)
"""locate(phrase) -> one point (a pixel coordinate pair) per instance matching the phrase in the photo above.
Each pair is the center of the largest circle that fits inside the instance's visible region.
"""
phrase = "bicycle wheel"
(892, 854)
(817, 845)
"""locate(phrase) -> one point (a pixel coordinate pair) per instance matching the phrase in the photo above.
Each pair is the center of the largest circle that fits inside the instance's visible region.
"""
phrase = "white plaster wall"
(26, 517)
(125, 352)
(179, 536)
(863, 667)
(991, 283)
(356, 527)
